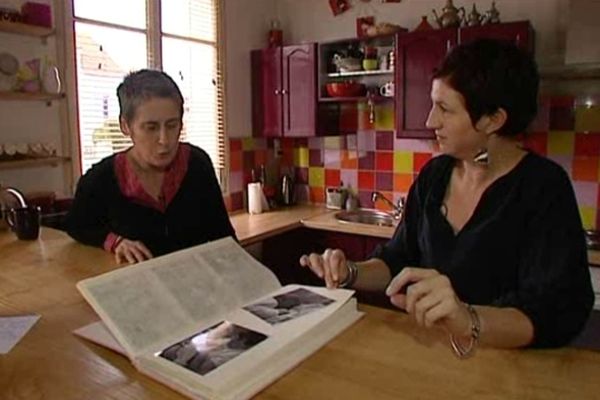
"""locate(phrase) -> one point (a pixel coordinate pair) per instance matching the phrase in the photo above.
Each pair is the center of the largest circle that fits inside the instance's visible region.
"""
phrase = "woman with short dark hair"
(491, 246)
(159, 195)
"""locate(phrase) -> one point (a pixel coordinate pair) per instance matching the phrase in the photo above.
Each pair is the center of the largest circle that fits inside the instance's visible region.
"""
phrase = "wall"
(312, 20)
(567, 129)
(245, 29)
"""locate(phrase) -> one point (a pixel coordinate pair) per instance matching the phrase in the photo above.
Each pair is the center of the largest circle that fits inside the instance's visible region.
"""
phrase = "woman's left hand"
(430, 299)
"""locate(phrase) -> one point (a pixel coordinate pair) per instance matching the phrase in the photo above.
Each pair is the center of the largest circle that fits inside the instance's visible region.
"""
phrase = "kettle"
(286, 190)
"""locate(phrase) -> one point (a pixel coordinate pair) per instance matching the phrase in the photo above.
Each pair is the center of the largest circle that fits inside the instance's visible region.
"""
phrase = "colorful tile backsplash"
(567, 130)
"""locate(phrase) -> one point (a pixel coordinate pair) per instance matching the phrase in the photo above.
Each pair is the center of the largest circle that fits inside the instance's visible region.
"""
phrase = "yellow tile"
(316, 177)
(403, 162)
(247, 143)
(561, 143)
(332, 142)
(588, 216)
(301, 157)
(587, 119)
(384, 117)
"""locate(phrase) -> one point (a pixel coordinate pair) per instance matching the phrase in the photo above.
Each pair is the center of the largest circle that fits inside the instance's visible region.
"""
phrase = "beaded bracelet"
(465, 352)
(351, 276)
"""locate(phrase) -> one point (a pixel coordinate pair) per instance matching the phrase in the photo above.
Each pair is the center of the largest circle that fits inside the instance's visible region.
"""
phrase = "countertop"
(384, 356)
(254, 228)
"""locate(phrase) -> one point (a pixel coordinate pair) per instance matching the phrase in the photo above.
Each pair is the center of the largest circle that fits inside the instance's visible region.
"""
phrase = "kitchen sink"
(370, 217)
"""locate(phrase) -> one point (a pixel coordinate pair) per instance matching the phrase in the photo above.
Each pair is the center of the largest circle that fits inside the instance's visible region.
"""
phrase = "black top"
(196, 214)
(523, 247)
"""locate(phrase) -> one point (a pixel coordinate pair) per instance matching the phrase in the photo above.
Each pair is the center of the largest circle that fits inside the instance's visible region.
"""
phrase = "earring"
(482, 157)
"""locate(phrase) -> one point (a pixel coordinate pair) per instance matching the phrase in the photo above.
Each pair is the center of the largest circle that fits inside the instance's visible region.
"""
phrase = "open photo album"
(212, 322)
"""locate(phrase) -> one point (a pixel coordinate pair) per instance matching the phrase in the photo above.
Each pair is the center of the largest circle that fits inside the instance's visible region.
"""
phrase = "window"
(180, 37)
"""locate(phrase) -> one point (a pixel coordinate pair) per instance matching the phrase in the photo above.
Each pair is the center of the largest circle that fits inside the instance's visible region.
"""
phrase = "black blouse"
(196, 214)
(523, 247)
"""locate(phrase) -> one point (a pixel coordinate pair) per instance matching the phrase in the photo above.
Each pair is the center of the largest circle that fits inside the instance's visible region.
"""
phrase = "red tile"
(235, 161)
(585, 169)
(235, 145)
(260, 157)
(537, 142)
(384, 161)
(332, 177)
(366, 180)
(419, 160)
(317, 194)
(587, 144)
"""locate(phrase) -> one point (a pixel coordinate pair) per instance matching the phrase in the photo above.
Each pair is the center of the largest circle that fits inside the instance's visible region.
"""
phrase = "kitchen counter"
(254, 228)
(383, 356)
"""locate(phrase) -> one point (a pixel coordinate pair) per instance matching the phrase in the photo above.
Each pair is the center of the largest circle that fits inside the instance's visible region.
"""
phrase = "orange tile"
(317, 194)
(585, 169)
(235, 161)
(235, 145)
(402, 182)
(332, 177)
(384, 161)
(349, 159)
(366, 180)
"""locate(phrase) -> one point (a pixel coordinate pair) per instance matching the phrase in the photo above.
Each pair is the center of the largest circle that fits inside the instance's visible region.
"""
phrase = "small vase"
(51, 80)
(424, 25)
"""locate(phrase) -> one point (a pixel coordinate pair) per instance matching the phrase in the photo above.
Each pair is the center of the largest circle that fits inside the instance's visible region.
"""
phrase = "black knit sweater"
(196, 214)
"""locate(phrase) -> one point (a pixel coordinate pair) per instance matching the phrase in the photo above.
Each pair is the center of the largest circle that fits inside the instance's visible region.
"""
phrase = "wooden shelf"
(355, 99)
(24, 96)
(25, 29)
(360, 73)
(33, 162)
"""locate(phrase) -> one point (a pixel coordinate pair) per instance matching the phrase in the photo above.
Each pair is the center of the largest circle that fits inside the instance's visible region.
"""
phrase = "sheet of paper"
(12, 329)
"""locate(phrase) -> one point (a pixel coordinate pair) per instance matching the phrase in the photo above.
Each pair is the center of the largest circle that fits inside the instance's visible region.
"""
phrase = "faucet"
(397, 208)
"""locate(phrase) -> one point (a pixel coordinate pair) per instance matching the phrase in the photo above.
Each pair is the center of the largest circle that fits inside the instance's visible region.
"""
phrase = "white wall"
(312, 20)
(246, 25)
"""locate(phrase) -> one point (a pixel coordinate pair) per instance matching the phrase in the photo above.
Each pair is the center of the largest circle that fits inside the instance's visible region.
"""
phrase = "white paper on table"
(12, 329)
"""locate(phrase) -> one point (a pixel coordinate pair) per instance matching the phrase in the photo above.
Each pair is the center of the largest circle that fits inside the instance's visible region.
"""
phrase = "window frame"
(154, 36)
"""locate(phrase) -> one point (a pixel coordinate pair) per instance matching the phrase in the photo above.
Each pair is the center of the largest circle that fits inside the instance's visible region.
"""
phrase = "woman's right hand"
(131, 251)
(329, 266)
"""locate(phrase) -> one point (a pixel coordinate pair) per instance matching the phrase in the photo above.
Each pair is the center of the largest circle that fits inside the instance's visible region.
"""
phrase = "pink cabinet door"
(519, 33)
(267, 106)
(299, 90)
(418, 54)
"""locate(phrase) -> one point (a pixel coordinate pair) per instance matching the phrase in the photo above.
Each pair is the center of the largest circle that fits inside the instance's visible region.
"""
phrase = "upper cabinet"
(419, 53)
(284, 91)
(520, 33)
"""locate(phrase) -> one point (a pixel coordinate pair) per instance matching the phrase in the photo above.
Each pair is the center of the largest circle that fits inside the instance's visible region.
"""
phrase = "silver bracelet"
(465, 352)
(351, 276)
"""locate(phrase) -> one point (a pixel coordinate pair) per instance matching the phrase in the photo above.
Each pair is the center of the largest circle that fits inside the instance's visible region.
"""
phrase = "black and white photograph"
(212, 347)
(288, 306)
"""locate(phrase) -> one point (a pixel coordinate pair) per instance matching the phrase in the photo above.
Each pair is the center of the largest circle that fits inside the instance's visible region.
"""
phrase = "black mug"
(25, 222)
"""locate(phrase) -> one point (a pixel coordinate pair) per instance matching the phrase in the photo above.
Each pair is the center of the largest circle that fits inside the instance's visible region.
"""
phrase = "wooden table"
(383, 356)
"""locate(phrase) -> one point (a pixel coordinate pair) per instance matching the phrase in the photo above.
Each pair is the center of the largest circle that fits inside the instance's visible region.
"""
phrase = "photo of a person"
(288, 306)
(213, 347)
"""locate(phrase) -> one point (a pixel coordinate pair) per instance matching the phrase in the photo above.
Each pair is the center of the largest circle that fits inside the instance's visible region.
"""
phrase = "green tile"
(403, 162)
(588, 216)
(384, 117)
(561, 143)
(332, 142)
(587, 119)
(316, 177)
(247, 143)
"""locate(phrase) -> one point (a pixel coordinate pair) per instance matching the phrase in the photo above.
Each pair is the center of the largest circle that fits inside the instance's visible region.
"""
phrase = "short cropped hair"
(139, 86)
(492, 74)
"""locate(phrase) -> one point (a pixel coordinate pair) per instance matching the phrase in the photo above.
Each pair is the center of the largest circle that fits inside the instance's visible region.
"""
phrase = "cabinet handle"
(518, 40)
(284, 91)
(277, 91)
(448, 46)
